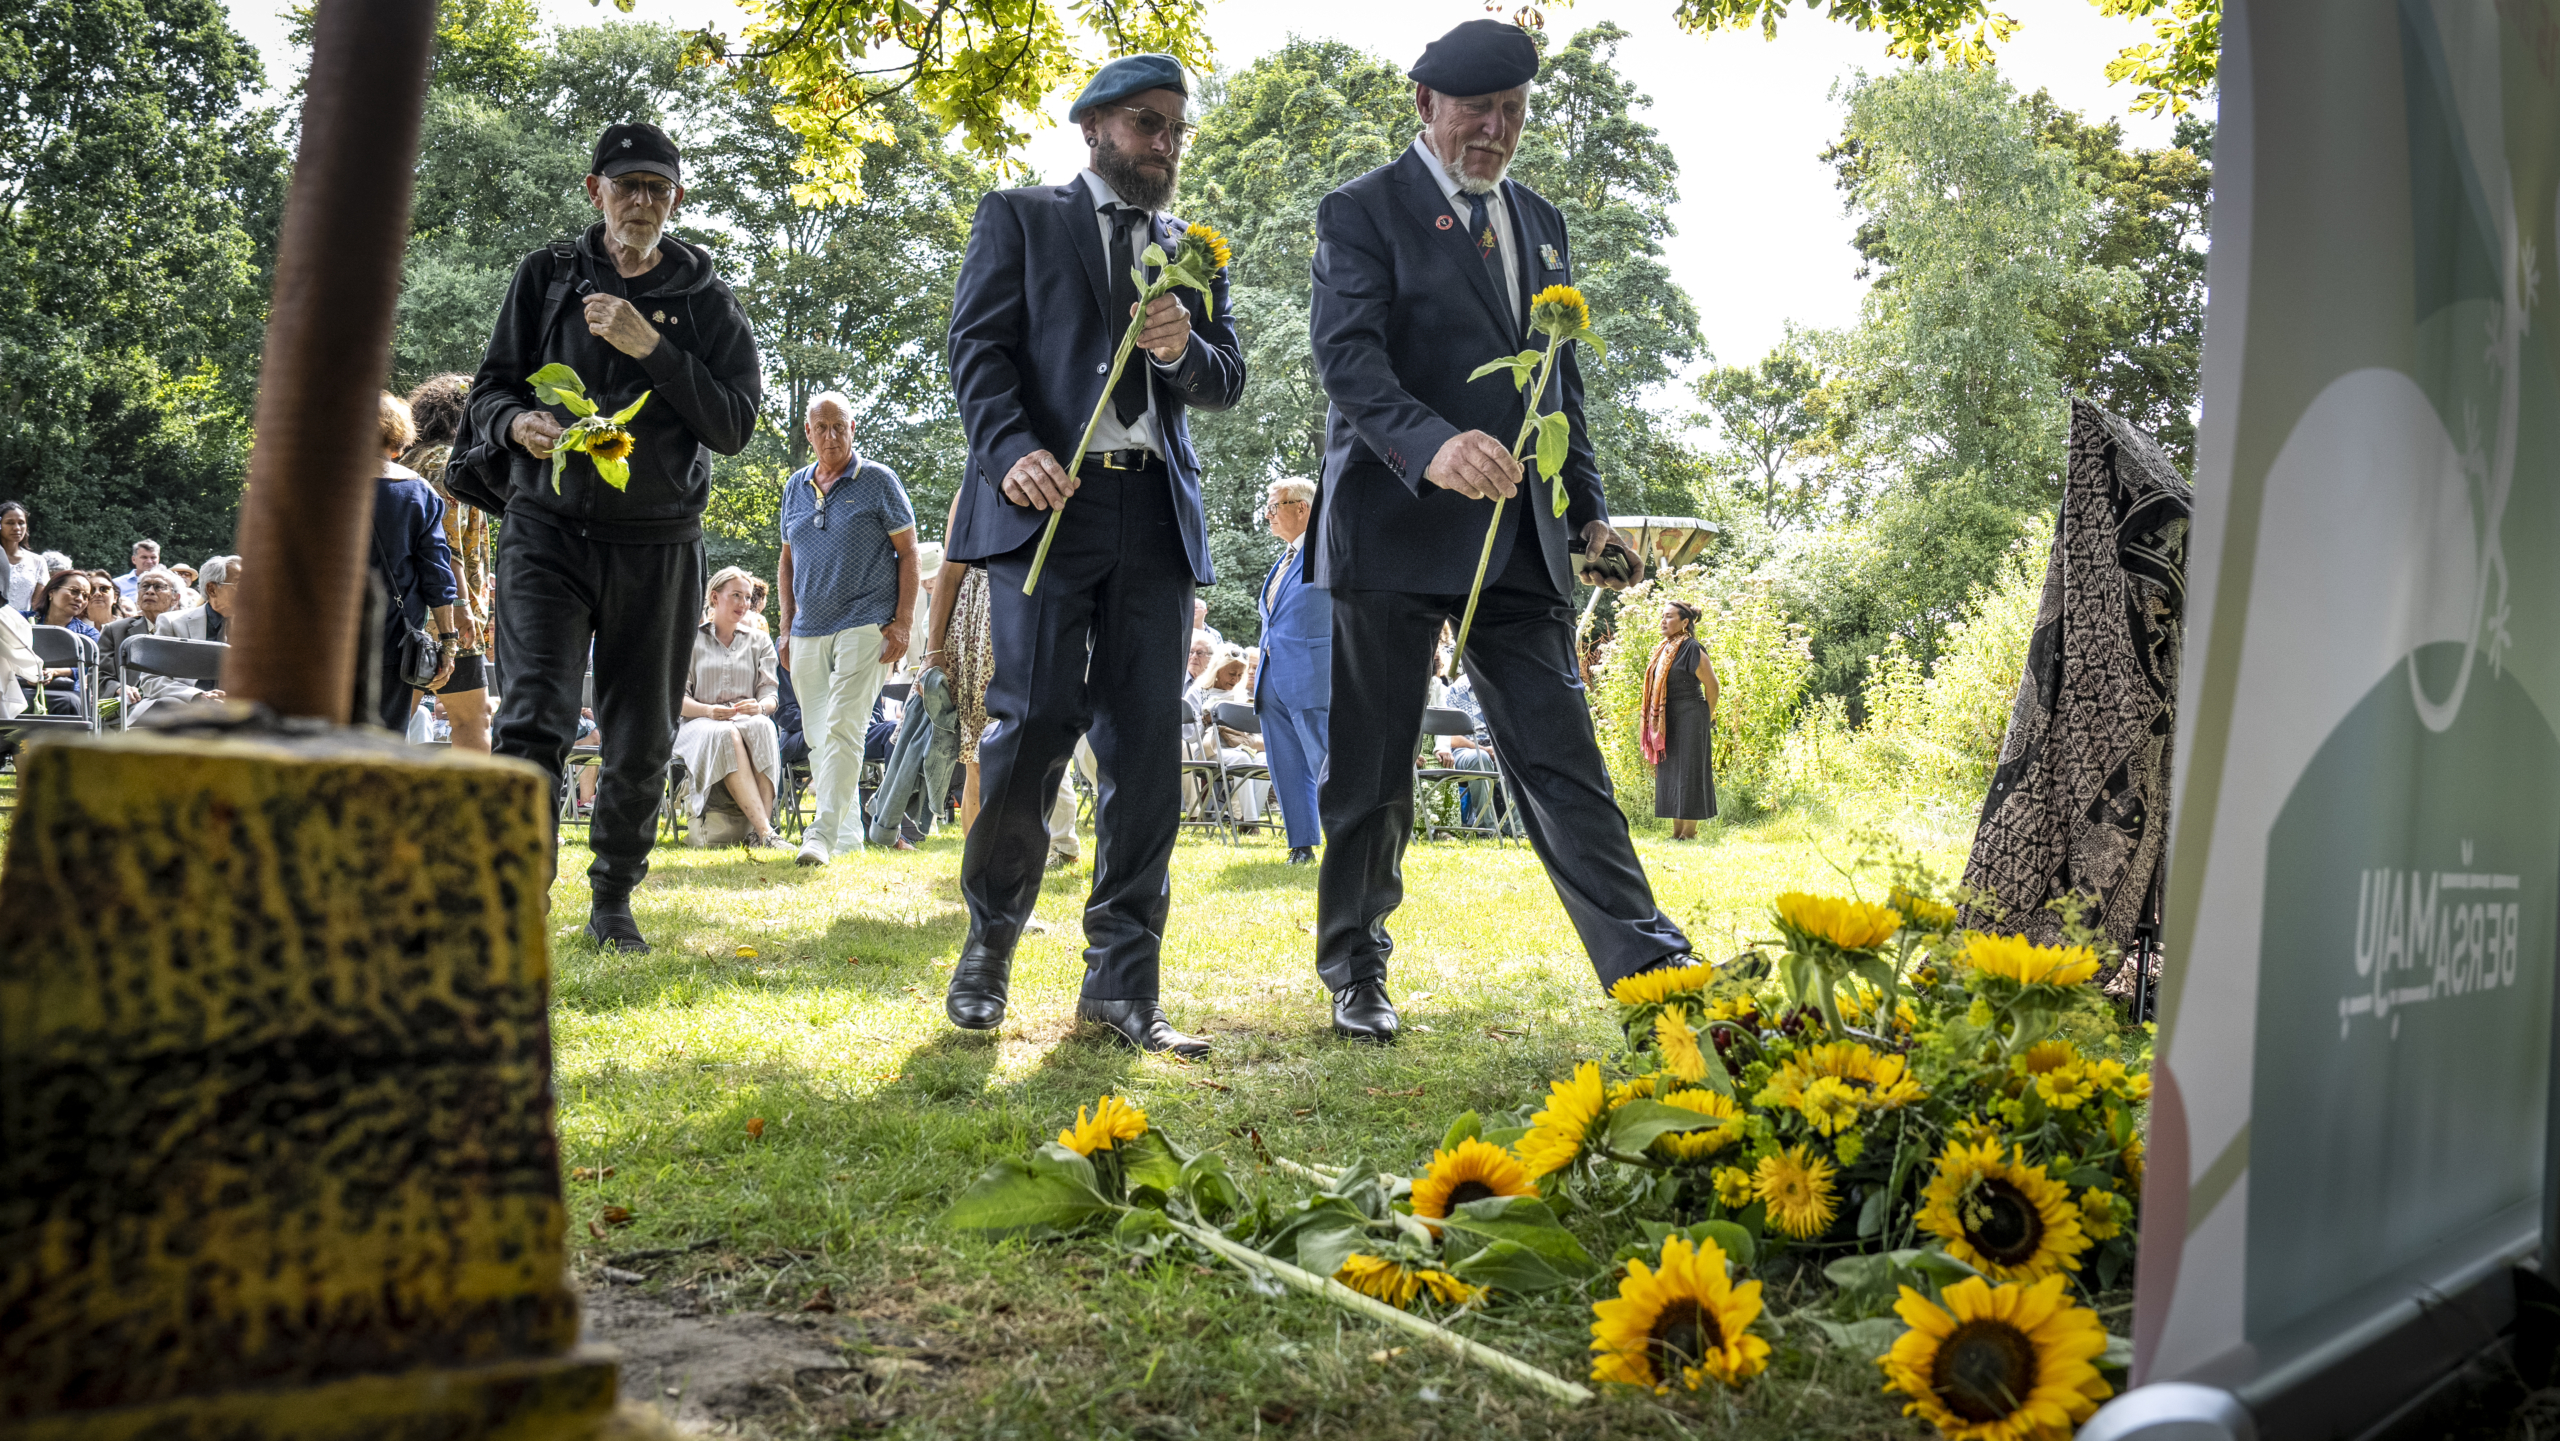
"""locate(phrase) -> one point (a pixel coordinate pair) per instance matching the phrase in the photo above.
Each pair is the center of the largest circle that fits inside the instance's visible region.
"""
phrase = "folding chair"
(1213, 777)
(197, 662)
(58, 646)
(583, 753)
(1242, 720)
(1449, 781)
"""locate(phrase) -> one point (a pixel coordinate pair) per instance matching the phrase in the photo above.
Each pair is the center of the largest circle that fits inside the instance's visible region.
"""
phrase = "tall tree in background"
(1767, 415)
(141, 185)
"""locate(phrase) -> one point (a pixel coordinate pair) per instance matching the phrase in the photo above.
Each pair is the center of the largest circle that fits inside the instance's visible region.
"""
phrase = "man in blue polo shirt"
(848, 589)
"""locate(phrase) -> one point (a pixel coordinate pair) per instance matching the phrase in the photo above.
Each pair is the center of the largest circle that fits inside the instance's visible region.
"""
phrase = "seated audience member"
(55, 563)
(157, 593)
(210, 620)
(64, 601)
(728, 736)
(19, 668)
(1203, 651)
(1470, 752)
(106, 607)
(1223, 683)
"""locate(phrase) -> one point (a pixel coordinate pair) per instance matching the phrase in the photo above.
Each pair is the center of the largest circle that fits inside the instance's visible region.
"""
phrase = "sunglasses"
(1152, 123)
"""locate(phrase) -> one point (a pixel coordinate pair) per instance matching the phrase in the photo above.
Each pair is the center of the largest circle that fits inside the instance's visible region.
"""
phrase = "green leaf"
(623, 416)
(1152, 255)
(1510, 1266)
(1142, 1230)
(1591, 338)
(1467, 1127)
(1557, 502)
(1637, 1124)
(1555, 438)
(554, 380)
(1323, 1249)
(1015, 1197)
(1869, 1338)
(1148, 1161)
(1490, 366)
(559, 458)
(1871, 1214)
(1736, 1242)
(615, 473)
(1207, 1186)
(1524, 1221)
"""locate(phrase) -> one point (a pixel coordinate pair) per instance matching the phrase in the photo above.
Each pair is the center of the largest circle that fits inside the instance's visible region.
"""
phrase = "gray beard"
(1133, 185)
(1468, 184)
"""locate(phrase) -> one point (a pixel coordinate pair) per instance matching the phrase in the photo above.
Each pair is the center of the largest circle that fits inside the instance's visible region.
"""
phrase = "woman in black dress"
(1678, 735)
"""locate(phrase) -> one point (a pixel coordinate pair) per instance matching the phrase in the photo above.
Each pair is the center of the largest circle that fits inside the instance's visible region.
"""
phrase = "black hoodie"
(704, 378)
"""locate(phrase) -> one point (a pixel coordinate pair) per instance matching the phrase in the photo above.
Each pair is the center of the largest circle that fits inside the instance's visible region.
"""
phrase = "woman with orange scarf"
(1678, 730)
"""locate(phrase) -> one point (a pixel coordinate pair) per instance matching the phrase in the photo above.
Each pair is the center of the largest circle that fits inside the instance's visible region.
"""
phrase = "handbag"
(421, 655)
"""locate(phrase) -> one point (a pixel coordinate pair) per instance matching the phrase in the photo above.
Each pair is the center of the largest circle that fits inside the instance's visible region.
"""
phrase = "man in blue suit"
(1296, 686)
(1424, 270)
(1045, 294)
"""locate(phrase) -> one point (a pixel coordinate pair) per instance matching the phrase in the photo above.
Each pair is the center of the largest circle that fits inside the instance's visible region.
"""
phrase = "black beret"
(636, 145)
(1477, 58)
(1127, 76)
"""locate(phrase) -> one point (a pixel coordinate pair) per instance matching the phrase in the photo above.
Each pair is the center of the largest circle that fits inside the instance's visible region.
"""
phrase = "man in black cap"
(584, 565)
(1045, 294)
(1423, 271)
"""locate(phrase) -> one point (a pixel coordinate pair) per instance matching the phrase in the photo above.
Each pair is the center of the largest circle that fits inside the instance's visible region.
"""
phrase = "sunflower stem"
(1528, 428)
(1119, 361)
(1329, 1289)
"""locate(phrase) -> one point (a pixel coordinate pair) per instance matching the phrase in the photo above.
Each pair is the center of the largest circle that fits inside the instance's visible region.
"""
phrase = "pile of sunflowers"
(1945, 1125)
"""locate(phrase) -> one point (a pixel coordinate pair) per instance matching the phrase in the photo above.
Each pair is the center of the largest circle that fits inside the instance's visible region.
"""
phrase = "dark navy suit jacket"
(1404, 310)
(1032, 335)
(1297, 639)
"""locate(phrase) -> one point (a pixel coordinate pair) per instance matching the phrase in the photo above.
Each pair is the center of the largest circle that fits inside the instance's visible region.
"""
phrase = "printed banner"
(2357, 1010)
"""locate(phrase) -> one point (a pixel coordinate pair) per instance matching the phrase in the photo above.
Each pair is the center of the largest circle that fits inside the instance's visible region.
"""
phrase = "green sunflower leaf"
(1592, 338)
(1638, 1124)
(1207, 1186)
(615, 473)
(1555, 438)
(1148, 1161)
(1490, 366)
(1323, 1249)
(1510, 1266)
(1558, 502)
(555, 380)
(623, 416)
(1038, 1197)
(1736, 1242)
(1467, 1127)
(1524, 1221)
(559, 458)
(1152, 255)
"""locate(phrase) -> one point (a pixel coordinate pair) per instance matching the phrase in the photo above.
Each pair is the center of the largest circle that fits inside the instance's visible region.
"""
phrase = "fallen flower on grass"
(755, 1128)
(616, 1216)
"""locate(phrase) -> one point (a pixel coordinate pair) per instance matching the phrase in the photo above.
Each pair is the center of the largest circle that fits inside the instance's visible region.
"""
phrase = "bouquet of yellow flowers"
(605, 438)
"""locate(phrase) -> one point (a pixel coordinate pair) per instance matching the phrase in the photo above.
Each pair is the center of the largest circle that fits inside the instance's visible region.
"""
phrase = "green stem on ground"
(1376, 1310)
(1075, 462)
(1528, 428)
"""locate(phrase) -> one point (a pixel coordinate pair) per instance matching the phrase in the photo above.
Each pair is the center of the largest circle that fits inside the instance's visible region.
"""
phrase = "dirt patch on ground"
(759, 1374)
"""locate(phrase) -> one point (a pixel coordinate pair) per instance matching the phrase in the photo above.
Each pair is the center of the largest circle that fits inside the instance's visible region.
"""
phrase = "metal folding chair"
(1244, 721)
(1449, 781)
(56, 647)
(197, 662)
(1213, 778)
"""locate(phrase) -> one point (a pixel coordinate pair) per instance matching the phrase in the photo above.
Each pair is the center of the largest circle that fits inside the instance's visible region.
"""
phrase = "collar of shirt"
(852, 467)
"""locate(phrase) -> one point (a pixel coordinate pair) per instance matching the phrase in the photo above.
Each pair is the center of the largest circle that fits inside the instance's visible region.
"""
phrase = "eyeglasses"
(157, 585)
(1152, 123)
(656, 192)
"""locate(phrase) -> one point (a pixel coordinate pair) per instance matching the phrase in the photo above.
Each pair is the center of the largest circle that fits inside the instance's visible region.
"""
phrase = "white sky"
(1762, 238)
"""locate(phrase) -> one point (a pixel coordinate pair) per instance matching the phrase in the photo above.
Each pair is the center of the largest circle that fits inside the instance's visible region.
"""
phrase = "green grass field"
(812, 1000)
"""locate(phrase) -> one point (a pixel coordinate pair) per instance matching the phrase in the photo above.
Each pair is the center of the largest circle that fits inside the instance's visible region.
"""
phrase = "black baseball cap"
(636, 145)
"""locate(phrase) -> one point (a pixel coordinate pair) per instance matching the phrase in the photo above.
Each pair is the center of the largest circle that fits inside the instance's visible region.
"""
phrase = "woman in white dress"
(729, 699)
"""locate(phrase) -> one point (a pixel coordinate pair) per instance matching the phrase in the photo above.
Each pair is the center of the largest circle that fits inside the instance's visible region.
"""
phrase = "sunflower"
(1701, 1141)
(1857, 998)
(1829, 1105)
(2066, 1088)
(1733, 1187)
(1203, 241)
(2102, 1213)
(1646, 988)
(1741, 1010)
(2003, 1217)
(1470, 1173)
(1558, 1133)
(1923, 915)
(1634, 1088)
(1880, 1083)
(610, 445)
(1797, 1187)
(1845, 925)
(1678, 1044)
(1398, 1284)
(1686, 1322)
(1113, 1120)
(1560, 311)
(2046, 1056)
(2132, 1157)
(2019, 959)
(2005, 1363)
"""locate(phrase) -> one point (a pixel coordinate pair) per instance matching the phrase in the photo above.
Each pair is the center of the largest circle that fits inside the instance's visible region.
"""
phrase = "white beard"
(1473, 185)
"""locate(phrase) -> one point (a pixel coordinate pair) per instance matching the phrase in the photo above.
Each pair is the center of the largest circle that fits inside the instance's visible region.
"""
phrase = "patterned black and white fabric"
(2080, 801)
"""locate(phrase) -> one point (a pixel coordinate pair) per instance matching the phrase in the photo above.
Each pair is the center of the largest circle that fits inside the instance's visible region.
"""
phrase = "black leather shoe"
(609, 924)
(1141, 1024)
(1302, 855)
(1362, 1012)
(976, 999)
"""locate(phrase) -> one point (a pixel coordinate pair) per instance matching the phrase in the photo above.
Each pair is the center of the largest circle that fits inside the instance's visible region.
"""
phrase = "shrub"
(1761, 663)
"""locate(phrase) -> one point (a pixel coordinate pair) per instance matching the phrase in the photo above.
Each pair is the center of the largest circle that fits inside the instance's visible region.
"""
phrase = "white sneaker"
(813, 849)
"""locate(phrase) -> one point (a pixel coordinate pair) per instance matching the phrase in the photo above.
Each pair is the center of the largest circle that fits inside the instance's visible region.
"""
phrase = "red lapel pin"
(1445, 222)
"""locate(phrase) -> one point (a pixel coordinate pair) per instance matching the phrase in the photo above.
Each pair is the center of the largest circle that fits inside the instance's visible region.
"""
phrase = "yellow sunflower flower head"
(1734, 1188)
(1559, 311)
(1844, 925)
(1797, 1187)
(2001, 1216)
(1998, 1363)
(2103, 1213)
(2066, 1088)
(1634, 1088)
(2046, 1056)
(1111, 1121)
(1703, 1141)
(2132, 1157)
(610, 445)
(2018, 959)
(1205, 245)
(1473, 1172)
(1647, 988)
(1923, 914)
(1558, 1133)
(1398, 1284)
(1677, 1044)
(1686, 1323)
(1829, 1105)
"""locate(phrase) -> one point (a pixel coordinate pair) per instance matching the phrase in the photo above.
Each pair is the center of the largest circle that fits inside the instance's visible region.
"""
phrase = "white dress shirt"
(1505, 244)
(1142, 433)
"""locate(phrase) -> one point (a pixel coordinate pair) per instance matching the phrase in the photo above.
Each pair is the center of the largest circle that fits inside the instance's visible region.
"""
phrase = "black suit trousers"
(1520, 656)
(1117, 578)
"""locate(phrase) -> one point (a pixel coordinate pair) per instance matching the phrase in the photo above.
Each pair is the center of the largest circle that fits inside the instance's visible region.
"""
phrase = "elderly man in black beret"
(1424, 270)
(1045, 295)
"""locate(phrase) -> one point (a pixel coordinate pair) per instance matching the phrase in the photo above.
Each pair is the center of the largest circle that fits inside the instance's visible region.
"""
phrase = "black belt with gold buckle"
(1130, 459)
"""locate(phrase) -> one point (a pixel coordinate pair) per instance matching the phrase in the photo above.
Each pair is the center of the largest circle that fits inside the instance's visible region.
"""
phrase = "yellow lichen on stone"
(274, 1068)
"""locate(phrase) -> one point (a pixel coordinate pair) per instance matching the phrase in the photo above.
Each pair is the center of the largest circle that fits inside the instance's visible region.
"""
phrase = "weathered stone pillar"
(277, 1154)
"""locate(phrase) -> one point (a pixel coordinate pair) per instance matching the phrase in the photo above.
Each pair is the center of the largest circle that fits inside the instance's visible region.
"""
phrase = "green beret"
(1479, 57)
(1127, 76)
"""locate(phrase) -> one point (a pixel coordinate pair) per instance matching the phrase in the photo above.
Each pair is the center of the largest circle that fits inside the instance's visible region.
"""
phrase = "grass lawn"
(812, 1000)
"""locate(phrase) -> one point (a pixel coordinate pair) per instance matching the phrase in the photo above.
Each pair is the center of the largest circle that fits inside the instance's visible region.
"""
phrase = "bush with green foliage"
(1761, 663)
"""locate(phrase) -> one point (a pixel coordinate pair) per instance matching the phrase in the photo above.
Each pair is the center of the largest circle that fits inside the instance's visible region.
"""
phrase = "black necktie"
(1129, 397)
(1480, 225)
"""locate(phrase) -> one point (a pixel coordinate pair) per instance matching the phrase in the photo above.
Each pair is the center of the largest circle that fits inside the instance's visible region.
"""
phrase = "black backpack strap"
(564, 278)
